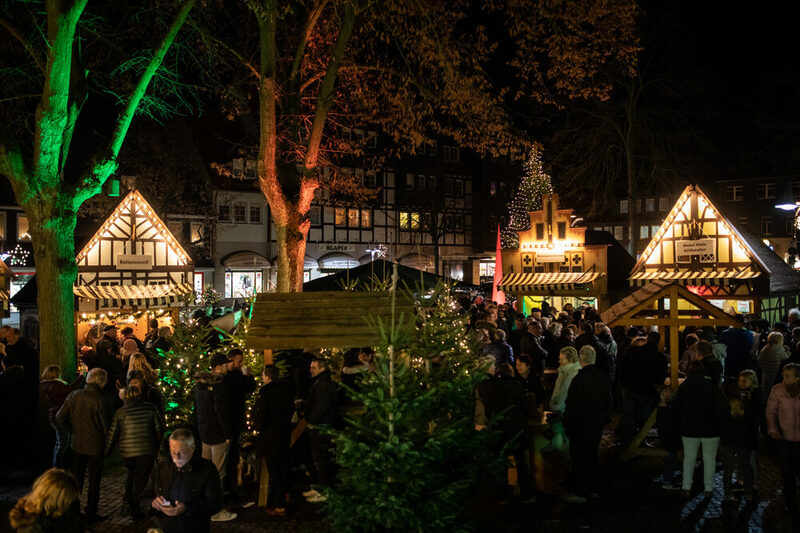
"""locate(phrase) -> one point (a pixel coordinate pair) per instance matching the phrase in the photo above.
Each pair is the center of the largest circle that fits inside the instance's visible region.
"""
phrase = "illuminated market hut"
(698, 247)
(559, 263)
(131, 270)
(5, 289)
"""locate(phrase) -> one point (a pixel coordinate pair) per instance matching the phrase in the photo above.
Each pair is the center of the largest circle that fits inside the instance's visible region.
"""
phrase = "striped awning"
(532, 282)
(721, 277)
(134, 295)
(4, 294)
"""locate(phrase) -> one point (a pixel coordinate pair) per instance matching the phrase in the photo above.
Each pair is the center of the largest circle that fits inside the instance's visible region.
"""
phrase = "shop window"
(224, 213)
(22, 228)
(255, 214)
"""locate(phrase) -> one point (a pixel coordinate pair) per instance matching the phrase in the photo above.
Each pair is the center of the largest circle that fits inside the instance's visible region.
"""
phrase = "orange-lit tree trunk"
(50, 202)
(289, 188)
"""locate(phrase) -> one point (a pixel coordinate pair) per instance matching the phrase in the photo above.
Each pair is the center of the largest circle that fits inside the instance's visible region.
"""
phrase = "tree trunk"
(56, 270)
(291, 241)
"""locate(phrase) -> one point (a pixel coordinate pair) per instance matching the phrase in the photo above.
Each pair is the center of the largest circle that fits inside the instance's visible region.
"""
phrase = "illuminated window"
(340, 215)
(22, 228)
(540, 232)
(352, 218)
(404, 218)
(255, 214)
(414, 220)
(650, 205)
(196, 229)
(734, 193)
(198, 283)
(765, 191)
(366, 218)
(624, 206)
(653, 230)
(562, 231)
(619, 233)
(644, 232)
(239, 214)
(228, 284)
(224, 212)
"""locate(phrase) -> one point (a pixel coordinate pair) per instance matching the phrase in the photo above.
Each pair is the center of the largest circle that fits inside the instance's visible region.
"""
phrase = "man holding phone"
(185, 491)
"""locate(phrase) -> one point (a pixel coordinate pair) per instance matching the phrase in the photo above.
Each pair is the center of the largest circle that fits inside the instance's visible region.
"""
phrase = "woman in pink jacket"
(783, 425)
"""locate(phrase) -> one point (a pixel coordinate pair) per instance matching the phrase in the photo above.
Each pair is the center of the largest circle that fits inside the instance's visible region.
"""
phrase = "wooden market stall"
(559, 263)
(670, 305)
(5, 289)
(698, 247)
(131, 270)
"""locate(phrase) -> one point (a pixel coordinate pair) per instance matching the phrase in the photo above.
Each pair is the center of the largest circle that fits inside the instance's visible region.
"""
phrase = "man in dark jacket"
(738, 342)
(500, 349)
(531, 344)
(184, 492)
(587, 412)
(641, 372)
(515, 339)
(711, 365)
(588, 338)
(211, 404)
(320, 412)
(273, 418)
(240, 384)
(83, 414)
(137, 428)
(110, 335)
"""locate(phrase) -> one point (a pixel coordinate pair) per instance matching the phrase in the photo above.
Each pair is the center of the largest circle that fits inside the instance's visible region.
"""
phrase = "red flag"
(498, 295)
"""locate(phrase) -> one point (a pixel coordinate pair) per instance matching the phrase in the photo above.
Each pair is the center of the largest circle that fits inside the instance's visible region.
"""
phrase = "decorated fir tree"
(412, 459)
(535, 182)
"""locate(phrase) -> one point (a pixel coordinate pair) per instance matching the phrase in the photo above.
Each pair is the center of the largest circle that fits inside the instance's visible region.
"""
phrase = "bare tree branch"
(18, 36)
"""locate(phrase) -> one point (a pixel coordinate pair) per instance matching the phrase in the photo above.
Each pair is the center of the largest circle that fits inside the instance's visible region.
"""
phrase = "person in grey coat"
(137, 429)
(83, 414)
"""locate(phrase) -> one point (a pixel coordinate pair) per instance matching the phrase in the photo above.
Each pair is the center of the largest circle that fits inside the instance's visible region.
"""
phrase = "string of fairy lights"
(535, 182)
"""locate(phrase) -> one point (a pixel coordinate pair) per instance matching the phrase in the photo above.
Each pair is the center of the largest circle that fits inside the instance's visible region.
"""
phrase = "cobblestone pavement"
(630, 500)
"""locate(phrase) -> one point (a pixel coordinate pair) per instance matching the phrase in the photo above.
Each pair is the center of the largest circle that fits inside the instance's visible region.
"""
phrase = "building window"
(618, 233)
(196, 232)
(22, 228)
(419, 182)
(340, 216)
(562, 231)
(492, 188)
(315, 215)
(239, 214)
(352, 218)
(540, 232)
(744, 221)
(224, 212)
(796, 191)
(238, 168)
(255, 214)
(650, 205)
(414, 222)
(663, 203)
(370, 179)
(734, 193)
(459, 188)
(366, 218)
(450, 153)
(2, 226)
(410, 181)
(624, 205)
(409, 220)
(654, 230)
(644, 232)
(250, 169)
(765, 191)
(766, 225)
(448, 187)
(372, 139)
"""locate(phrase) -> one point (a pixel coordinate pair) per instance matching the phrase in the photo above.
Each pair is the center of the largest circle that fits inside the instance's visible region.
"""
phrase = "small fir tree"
(413, 458)
(535, 182)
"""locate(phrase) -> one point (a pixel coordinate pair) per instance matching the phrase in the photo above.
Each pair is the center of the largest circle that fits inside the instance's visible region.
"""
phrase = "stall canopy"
(379, 272)
(531, 283)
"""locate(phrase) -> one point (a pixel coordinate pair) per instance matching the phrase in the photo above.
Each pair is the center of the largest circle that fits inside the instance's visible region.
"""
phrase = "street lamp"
(792, 251)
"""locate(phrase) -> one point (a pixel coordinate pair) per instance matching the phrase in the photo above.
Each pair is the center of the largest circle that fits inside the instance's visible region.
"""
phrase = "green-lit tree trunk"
(54, 253)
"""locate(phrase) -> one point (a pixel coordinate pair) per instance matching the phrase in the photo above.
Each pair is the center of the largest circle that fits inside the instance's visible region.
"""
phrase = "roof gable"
(134, 219)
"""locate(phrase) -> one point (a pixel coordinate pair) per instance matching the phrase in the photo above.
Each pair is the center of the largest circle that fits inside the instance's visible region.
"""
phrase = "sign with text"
(134, 262)
(335, 247)
(550, 256)
(706, 249)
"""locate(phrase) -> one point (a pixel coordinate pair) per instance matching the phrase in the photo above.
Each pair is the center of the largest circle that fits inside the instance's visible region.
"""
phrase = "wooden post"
(263, 484)
(673, 337)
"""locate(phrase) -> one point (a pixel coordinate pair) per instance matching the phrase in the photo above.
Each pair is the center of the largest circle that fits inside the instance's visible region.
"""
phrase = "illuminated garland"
(123, 316)
(535, 182)
(18, 256)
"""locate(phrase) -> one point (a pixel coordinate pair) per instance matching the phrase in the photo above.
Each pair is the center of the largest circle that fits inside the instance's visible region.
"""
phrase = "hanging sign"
(335, 247)
(705, 248)
(550, 256)
(134, 262)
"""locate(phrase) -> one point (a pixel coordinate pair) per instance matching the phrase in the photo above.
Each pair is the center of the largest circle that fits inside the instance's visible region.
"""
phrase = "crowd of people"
(740, 389)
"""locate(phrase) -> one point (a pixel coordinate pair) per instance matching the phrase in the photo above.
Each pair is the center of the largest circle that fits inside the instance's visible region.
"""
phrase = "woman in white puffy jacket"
(568, 367)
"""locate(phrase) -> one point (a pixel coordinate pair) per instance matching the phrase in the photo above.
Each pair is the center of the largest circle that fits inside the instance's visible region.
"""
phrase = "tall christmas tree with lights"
(535, 182)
